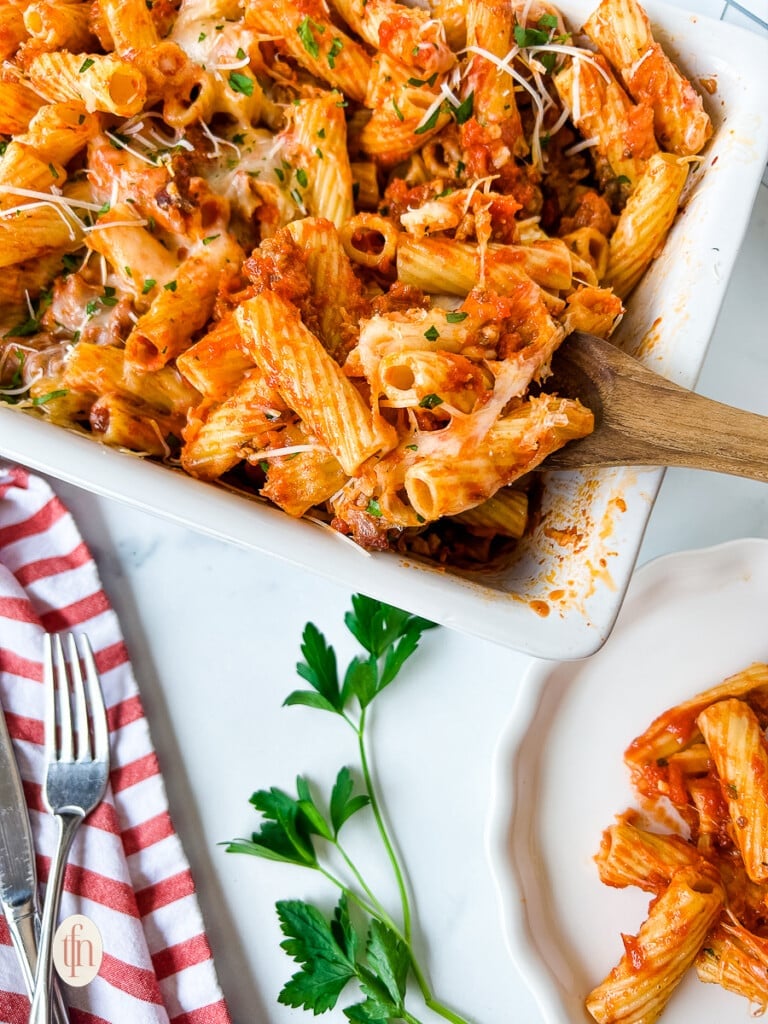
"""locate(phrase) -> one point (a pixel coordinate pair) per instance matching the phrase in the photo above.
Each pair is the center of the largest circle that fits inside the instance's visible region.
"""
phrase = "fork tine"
(80, 706)
(96, 700)
(49, 709)
(61, 676)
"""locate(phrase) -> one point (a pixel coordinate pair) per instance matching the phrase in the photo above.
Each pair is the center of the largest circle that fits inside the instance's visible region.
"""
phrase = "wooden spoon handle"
(645, 420)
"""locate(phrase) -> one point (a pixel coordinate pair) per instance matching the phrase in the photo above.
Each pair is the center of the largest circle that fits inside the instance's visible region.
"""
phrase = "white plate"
(688, 621)
(560, 595)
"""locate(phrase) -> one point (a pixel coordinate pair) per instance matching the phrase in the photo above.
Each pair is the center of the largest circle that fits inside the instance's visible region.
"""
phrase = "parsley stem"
(381, 911)
(380, 824)
(363, 903)
(421, 980)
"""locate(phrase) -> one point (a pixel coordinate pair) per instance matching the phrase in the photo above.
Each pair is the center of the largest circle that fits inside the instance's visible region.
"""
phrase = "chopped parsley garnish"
(456, 316)
(70, 262)
(42, 399)
(17, 380)
(374, 509)
(432, 334)
(241, 55)
(149, 284)
(423, 81)
(87, 63)
(305, 32)
(301, 177)
(201, 37)
(23, 330)
(431, 121)
(430, 401)
(530, 36)
(336, 47)
(398, 111)
(210, 238)
(549, 60)
(109, 298)
(170, 287)
(464, 110)
(241, 83)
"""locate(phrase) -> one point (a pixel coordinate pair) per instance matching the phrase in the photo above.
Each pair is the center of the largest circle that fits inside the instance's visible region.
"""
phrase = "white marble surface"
(214, 634)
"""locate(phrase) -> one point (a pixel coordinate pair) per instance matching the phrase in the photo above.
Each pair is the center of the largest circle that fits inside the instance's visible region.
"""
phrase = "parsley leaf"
(377, 626)
(343, 803)
(49, 397)
(241, 83)
(319, 670)
(24, 329)
(336, 47)
(530, 36)
(326, 967)
(387, 957)
(431, 121)
(464, 110)
(306, 33)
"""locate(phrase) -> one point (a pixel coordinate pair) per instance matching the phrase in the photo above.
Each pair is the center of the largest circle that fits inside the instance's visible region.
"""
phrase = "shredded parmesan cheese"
(293, 449)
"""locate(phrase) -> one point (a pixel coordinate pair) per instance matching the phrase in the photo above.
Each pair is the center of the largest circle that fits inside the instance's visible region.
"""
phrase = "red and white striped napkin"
(127, 871)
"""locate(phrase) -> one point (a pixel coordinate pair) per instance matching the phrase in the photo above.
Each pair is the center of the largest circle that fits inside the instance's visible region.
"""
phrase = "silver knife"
(18, 876)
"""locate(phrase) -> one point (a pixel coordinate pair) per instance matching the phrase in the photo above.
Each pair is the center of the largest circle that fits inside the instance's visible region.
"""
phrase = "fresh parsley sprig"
(370, 946)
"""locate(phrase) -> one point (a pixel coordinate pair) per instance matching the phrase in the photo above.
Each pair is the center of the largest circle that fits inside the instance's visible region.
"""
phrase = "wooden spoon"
(642, 419)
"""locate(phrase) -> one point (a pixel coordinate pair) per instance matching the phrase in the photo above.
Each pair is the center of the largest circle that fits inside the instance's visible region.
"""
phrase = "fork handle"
(42, 997)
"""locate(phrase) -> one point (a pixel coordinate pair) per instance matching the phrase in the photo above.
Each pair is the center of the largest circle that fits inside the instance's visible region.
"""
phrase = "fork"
(76, 775)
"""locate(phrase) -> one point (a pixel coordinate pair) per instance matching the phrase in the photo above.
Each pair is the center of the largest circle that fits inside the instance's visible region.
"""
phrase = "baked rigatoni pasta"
(738, 748)
(326, 254)
(311, 382)
(707, 760)
(639, 987)
(622, 31)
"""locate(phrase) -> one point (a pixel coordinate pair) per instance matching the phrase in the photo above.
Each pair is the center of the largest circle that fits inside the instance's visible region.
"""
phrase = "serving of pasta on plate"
(703, 763)
(324, 253)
